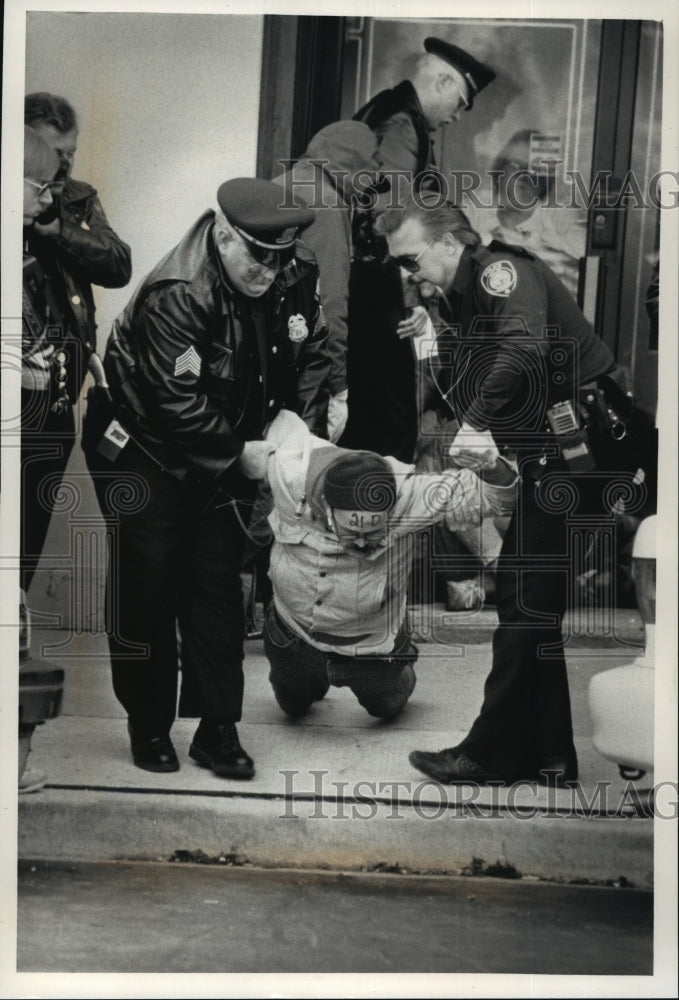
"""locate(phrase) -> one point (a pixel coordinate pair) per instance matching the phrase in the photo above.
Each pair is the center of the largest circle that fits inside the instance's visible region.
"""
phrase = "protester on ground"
(344, 524)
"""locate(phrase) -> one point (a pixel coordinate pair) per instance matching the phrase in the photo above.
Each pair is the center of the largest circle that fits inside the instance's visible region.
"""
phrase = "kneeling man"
(344, 525)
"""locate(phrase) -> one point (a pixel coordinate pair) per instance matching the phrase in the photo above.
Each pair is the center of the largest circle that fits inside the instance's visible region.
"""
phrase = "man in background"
(383, 313)
(74, 247)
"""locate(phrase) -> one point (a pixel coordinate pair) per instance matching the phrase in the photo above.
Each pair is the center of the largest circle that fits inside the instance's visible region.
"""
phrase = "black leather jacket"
(87, 251)
(196, 368)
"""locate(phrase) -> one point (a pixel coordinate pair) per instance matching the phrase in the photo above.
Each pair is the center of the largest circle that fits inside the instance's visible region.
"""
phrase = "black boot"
(216, 745)
(154, 753)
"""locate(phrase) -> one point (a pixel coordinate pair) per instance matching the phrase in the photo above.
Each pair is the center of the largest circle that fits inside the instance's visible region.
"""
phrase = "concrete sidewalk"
(335, 790)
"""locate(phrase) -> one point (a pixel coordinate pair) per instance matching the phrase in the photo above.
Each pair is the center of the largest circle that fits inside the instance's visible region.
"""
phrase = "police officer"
(446, 81)
(381, 372)
(512, 363)
(223, 332)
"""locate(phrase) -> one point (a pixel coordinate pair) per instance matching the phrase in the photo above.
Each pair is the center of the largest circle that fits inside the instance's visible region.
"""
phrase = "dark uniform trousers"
(525, 717)
(175, 557)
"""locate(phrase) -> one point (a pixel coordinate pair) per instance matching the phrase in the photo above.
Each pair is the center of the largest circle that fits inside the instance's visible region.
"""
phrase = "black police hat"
(475, 73)
(266, 219)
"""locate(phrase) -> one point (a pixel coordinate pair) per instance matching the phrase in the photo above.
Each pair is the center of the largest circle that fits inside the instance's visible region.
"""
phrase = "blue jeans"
(301, 674)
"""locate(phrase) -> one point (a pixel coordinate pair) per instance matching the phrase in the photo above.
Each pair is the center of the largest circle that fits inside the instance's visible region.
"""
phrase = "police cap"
(267, 220)
(475, 73)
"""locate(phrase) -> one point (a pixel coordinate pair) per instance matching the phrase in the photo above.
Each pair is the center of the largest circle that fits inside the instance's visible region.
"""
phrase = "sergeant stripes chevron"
(189, 361)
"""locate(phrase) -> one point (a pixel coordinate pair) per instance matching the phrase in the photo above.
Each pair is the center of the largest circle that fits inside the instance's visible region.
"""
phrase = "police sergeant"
(221, 334)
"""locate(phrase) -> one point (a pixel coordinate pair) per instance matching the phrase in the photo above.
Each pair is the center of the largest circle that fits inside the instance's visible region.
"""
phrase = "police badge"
(297, 328)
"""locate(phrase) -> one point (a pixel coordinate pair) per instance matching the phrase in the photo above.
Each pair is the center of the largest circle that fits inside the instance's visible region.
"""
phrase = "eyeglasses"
(463, 103)
(411, 264)
(41, 188)
(462, 100)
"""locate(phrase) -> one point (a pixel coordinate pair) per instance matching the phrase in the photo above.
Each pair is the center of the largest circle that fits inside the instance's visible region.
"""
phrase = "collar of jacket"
(75, 191)
(403, 97)
(406, 97)
(465, 269)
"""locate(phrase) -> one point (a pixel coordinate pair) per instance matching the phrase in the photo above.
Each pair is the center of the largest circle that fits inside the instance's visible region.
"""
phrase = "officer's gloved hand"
(254, 458)
(338, 412)
(473, 449)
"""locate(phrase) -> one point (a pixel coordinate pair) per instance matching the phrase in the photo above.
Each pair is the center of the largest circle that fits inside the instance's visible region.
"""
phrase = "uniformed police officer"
(381, 368)
(221, 334)
(511, 365)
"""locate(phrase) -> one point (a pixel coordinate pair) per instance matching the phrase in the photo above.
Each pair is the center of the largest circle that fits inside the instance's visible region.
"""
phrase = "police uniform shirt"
(516, 341)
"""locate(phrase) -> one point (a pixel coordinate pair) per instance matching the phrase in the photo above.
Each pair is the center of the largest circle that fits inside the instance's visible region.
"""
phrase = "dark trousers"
(380, 368)
(47, 440)
(301, 674)
(175, 556)
(526, 714)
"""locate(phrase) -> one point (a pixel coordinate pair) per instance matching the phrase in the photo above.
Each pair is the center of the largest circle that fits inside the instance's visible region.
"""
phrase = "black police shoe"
(452, 767)
(216, 745)
(153, 754)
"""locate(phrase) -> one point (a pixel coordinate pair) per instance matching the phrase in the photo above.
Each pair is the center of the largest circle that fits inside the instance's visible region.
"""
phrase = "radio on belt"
(572, 439)
(114, 440)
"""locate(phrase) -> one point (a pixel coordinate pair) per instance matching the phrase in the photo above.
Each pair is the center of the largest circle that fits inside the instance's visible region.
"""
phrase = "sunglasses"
(411, 264)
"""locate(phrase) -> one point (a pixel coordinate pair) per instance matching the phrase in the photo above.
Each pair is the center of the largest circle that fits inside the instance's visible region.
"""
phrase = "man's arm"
(84, 239)
(512, 324)
(170, 327)
(459, 495)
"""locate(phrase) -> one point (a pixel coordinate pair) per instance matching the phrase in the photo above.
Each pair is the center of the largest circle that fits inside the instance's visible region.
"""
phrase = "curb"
(285, 833)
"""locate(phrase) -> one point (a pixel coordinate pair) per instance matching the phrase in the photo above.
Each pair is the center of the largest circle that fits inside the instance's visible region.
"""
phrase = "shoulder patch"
(189, 361)
(499, 278)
